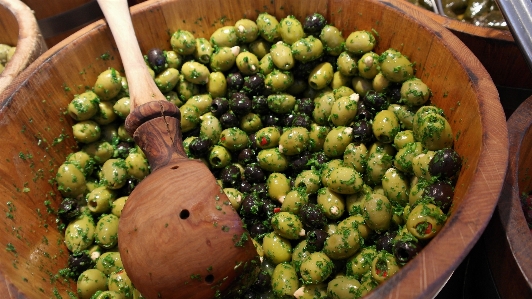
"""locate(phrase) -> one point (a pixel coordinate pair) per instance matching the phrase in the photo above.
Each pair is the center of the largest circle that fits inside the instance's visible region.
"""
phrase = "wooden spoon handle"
(142, 88)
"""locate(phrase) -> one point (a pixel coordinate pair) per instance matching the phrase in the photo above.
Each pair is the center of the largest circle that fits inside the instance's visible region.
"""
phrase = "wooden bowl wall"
(510, 239)
(496, 50)
(18, 26)
(36, 133)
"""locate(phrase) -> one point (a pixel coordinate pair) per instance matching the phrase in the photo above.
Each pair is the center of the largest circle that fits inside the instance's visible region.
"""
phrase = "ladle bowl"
(36, 134)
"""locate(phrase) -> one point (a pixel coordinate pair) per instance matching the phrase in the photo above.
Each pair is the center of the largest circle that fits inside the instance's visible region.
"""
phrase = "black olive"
(240, 104)
(199, 147)
(253, 84)
(254, 173)
(268, 207)
(122, 149)
(375, 101)
(386, 241)
(405, 251)
(263, 281)
(126, 190)
(302, 120)
(321, 158)
(362, 132)
(79, 262)
(314, 23)
(394, 93)
(156, 60)
(299, 162)
(287, 119)
(445, 164)
(244, 187)
(316, 239)
(219, 106)
(312, 216)
(252, 143)
(258, 229)
(271, 120)
(364, 114)
(260, 190)
(246, 156)
(303, 69)
(259, 105)
(235, 81)
(442, 193)
(69, 209)
(229, 120)
(251, 206)
(231, 176)
(304, 105)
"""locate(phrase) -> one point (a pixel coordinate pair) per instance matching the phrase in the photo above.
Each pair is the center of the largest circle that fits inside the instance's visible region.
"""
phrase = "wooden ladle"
(178, 235)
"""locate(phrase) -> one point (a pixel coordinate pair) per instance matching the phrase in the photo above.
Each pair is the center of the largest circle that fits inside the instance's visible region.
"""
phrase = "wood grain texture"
(18, 26)
(496, 50)
(511, 257)
(32, 111)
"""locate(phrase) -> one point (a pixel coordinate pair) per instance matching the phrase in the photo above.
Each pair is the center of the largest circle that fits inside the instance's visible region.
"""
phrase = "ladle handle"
(142, 88)
(518, 15)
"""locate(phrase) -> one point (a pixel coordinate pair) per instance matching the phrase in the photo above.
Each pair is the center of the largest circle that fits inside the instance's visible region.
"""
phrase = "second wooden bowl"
(36, 133)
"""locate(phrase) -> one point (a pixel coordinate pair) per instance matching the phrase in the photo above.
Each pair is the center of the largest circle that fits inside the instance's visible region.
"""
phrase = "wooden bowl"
(18, 26)
(58, 19)
(36, 132)
(496, 50)
(510, 239)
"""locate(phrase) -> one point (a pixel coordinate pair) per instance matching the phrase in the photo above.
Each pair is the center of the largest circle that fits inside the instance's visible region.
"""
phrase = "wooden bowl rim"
(493, 153)
(30, 42)
(511, 213)
(466, 28)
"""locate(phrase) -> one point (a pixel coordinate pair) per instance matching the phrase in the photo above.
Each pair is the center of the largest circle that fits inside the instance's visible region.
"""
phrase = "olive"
(443, 194)
(445, 164)
(235, 81)
(299, 162)
(229, 120)
(271, 120)
(316, 239)
(268, 207)
(231, 176)
(251, 206)
(259, 105)
(375, 101)
(254, 84)
(240, 104)
(254, 173)
(362, 132)
(249, 294)
(321, 158)
(333, 60)
(244, 187)
(258, 230)
(199, 147)
(260, 190)
(246, 156)
(304, 105)
(156, 60)
(122, 149)
(301, 120)
(312, 216)
(386, 241)
(128, 187)
(364, 114)
(263, 281)
(79, 262)
(303, 69)
(69, 209)
(219, 106)
(287, 119)
(405, 251)
(394, 93)
(253, 143)
(314, 23)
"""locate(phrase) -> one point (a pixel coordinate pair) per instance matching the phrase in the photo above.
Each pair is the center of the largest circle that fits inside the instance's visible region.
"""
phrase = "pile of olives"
(6, 52)
(331, 153)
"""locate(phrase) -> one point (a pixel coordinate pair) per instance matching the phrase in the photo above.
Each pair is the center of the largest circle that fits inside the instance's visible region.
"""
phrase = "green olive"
(287, 225)
(358, 223)
(293, 201)
(404, 157)
(223, 58)
(347, 64)
(268, 27)
(99, 200)
(282, 58)
(247, 30)
(425, 221)
(378, 212)
(210, 127)
(70, 180)
(106, 114)
(250, 123)
(106, 234)
(355, 202)
(122, 107)
(84, 106)
(368, 66)
(118, 205)
(276, 248)
(316, 268)
(356, 156)
(311, 291)
(299, 254)
(342, 244)
(384, 266)
(344, 110)
(203, 50)
(266, 65)
(382, 148)
(332, 39)
(395, 66)
(234, 139)
(278, 80)
(323, 107)
(189, 117)
(247, 63)
(86, 131)
(173, 59)
(183, 42)
(290, 29)
(309, 179)
(260, 47)
(360, 42)
(317, 137)
(82, 161)
(234, 196)
(90, 282)
(137, 166)
(414, 92)
(332, 203)
(284, 280)
(100, 151)
(294, 141)
(120, 283)
(420, 165)
(217, 84)
(167, 80)
(321, 76)
(114, 173)
(79, 233)
(385, 126)
(339, 80)
(109, 262)
(327, 170)
(201, 101)
(380, 83)
(434, 132)
(345, 180)
(195, 72)
(267, 137)
(307, 49)
(278, 186)
(281, 103)
(219, 157)
(396, 187)
(361, 85)
(337, 141)
(360, 263)
(403, 138)
(108, 84)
